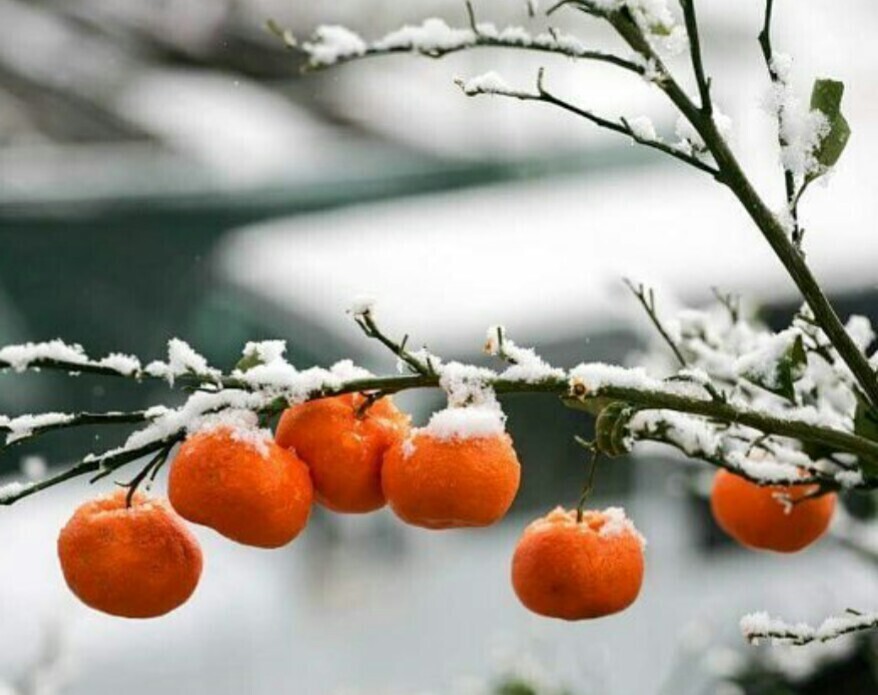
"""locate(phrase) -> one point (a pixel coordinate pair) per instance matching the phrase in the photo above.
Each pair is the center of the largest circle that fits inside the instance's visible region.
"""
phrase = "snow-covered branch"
(434, 38)
(678, 411)
(759, 626)
(640, 130)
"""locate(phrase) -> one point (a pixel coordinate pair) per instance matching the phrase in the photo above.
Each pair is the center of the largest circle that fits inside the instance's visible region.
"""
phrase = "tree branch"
(622, 126)
(732, 175)
(701, 79)
(789, 178)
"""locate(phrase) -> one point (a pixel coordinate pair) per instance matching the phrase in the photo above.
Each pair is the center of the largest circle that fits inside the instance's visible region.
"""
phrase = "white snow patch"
(21, 357)
(332, 43)
(488, 83)
(643, 128)
(470, 422)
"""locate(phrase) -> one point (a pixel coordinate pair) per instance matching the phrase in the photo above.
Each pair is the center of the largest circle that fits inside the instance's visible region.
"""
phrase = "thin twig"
(789, 178)
(622, 127)
(367, 323)
(701, 79)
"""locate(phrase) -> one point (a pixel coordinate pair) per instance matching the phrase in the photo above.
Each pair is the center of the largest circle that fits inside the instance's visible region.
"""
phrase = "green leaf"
(659, 29)
(831, 147)
(248, 361)
(783, 375)
(866, 425)
(826, 97)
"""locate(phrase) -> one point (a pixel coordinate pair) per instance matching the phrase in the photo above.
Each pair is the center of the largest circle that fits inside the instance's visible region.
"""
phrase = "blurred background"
(166, 171)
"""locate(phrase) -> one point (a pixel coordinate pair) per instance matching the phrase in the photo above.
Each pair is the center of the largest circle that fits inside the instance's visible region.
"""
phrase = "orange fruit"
(451, 483)
(578, 570)
(344, 449)
(134, 562)
(248, 489)
(759, 517)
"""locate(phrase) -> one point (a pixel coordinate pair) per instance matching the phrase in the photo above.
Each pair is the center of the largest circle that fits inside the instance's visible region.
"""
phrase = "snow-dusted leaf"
(826, 98)
(782, 373)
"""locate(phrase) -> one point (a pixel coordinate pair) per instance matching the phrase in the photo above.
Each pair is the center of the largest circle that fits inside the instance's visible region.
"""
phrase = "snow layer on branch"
(277, 378)
(596, 375)
(760, 625)
(849, 479)
(467, 384)
(527, 365)
(23, 426)
(266, 350)
(182, 360)
(650, 14)
(431, 36)
(766, 470)
(20, 357)
(332, 43)
(861, 331)
(692, 434)
(489, 83)
(169, 422)
(126, 365)
(11, 490)
(761, 362)
(643, 128)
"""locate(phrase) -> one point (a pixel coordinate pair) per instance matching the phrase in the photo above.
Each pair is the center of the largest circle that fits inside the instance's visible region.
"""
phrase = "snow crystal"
(861, 331)
(431, 36)
(127, 365)
(489, 83)
(346, 370)
(616, 523)
(761, 363)
(800, 129)
(20, 357)
(266, 350)
(596, 375)
(467, 384)
(527, 367)
(171, 421)
(332, 43)
(424, 357)
(182, 359)
(766, 470)
(468, 422)
(723, 123)
(676, 42)
(362, 304)
(692, 434)
(689, 137)
(643, 128)
(849, 479)
(782, 65)
(649, 14)
(242, 426)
